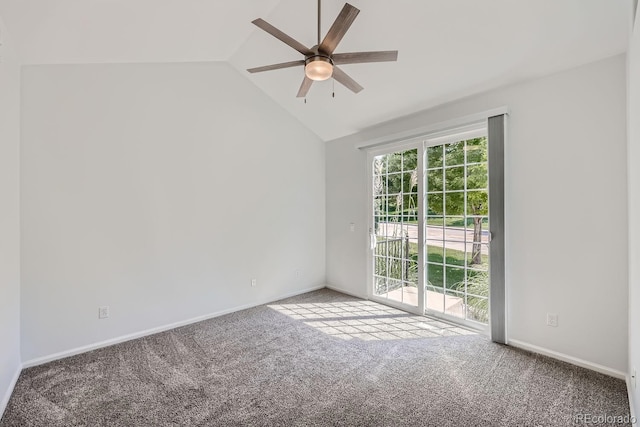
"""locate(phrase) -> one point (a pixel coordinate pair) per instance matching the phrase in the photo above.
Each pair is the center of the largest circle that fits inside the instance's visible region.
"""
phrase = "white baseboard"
(9, 392)
(147, 332)
(569, 359)
(344, 291)
(632, 411)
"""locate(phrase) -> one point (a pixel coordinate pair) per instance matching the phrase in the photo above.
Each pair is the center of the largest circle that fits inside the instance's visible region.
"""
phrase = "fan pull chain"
(333, 90)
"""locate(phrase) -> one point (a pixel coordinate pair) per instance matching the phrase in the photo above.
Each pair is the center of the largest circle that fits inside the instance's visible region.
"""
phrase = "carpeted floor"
(319, 359)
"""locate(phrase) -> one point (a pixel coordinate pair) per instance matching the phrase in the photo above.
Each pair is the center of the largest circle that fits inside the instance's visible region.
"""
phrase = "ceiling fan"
(320, 62)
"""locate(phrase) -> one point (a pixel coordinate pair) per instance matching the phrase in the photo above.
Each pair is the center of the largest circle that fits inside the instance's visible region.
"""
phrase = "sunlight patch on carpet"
(367, 321)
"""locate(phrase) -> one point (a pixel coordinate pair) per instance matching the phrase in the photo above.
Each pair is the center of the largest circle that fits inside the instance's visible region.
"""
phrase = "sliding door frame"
(471, 131)
(478, 126)
(412, 144)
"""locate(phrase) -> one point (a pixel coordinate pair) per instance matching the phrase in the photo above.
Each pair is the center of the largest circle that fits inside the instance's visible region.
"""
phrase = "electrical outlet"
(552, 320)
(254, 282)
(352, 227)
(103, 312)
(297, 274)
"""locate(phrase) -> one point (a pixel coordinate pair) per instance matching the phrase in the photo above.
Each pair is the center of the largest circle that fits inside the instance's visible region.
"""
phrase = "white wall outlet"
(297, 274)
(352, 227)
(552, 320)
(254, 282)
(103, 312)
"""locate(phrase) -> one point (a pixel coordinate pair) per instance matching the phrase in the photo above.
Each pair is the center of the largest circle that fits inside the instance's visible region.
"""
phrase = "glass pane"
(478, 283)
(454, 203)
(379, 261)
(379, 206)
(394, 264)
(454, 221)
(455, 278)
(394, 183)
(394, 163)
(392, 204)
(410, 204)
(392, 227)
(454, 179)
(380, 225)
(435, 232)
(478, 229)
(410, 160)
(478, 309)
(477, 150)
(434, 180)
(477, 203)
(435, 251)
(379, 186)
(379, 165)
(435, 275)
(478, 256)
(413, 244)
(410, 294)
(454, 154)
(434, 204)
(477, 177)
(479, 225)
(454, 253)
(478, 293)
(454, 229)
(394, 284)
(380, 286)
(395, 290)
(434, 157)
(410, 216)
(454, 304)
(410, 181)
(435, 221)
(434, 298)
(412, 272)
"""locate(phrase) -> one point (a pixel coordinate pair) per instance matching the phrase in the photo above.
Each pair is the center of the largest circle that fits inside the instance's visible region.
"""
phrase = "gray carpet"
(319, 359)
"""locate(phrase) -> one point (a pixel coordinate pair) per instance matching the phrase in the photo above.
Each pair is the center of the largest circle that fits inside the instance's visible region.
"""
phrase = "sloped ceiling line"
(448, 49)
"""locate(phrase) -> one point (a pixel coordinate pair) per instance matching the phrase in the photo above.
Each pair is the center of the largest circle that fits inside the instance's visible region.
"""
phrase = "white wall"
(160, 191)
(9, 217)
(634, 206)
(566, 208)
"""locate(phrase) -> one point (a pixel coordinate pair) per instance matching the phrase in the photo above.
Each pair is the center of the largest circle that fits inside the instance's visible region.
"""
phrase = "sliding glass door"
(430, 227)
(457, 229)
(395, 227)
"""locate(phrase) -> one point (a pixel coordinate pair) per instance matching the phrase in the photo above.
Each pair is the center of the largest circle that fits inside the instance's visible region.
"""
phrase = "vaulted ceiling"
(448, 48)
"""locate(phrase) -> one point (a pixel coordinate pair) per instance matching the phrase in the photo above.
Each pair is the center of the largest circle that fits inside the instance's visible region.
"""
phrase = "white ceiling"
(448, 48)
(116, 31)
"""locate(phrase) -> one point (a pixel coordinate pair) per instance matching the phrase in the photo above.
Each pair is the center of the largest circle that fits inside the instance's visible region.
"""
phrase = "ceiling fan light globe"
(318, 68)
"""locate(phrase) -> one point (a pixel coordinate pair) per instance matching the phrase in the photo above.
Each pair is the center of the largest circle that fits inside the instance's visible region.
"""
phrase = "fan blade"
(339, 29)
(304, 87)
(344, 79)
(361, 57)
(261, 23)
(276, 66)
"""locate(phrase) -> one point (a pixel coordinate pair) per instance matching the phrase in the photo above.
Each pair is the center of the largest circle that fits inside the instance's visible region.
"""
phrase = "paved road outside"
(452, 237)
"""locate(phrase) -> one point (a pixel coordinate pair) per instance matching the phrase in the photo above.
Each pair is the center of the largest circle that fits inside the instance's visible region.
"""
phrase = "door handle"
(373, 240)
